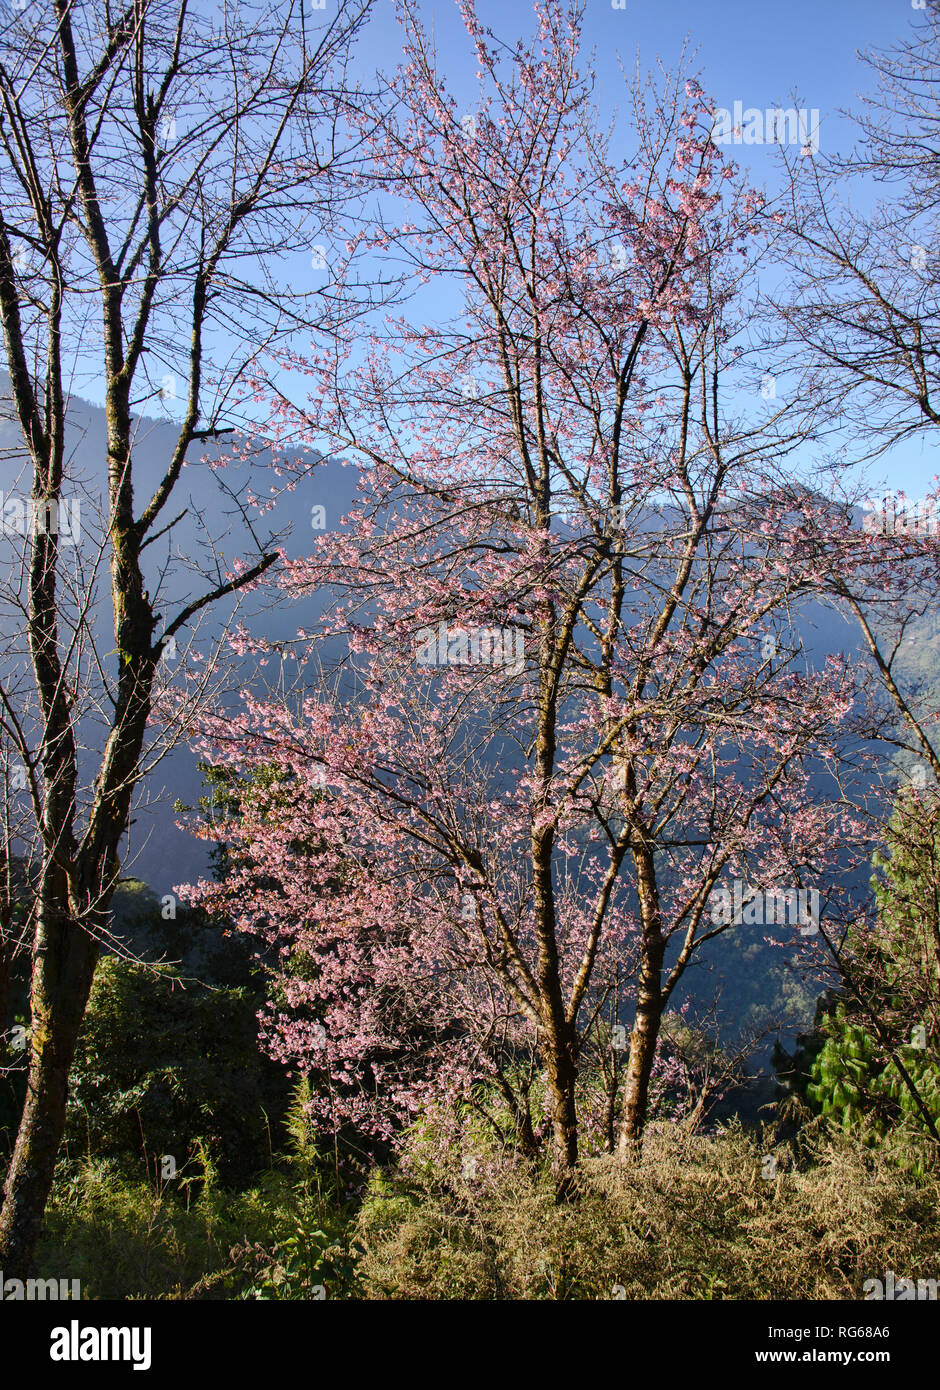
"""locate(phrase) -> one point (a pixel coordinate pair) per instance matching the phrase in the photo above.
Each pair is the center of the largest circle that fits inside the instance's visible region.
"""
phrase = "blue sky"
(752, 51)
(759, 54)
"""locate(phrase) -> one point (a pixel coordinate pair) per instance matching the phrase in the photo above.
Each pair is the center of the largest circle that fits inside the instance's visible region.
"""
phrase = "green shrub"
(286, 1237)
(124, 1239)
(160, 1067)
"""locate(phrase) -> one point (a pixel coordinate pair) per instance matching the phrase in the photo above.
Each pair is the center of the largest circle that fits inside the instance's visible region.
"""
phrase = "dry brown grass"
(693, 1219)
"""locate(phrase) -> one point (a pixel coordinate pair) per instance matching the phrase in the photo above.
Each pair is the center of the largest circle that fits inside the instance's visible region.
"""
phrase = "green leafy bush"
(160, 1066)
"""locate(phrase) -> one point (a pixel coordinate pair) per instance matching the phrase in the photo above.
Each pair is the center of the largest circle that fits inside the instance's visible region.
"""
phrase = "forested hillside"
(469, 674)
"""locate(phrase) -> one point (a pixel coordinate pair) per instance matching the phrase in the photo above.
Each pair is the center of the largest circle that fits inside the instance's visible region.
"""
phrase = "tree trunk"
(6, 975)
(610, 1107)
(649, 1005)
(524, 1134)
(62, 980)
(562, 1074)
(643, 1041)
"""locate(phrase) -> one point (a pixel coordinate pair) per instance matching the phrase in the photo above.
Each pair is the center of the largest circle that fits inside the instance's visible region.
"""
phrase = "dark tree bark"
(155, 240)
(649, 1007)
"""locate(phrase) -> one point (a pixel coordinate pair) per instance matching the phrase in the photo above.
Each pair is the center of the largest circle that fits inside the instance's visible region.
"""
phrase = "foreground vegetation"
(194, 1168)
(696, 1218)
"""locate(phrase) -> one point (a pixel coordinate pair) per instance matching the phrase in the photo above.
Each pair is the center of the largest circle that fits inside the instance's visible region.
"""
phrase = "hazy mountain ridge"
(749, 974)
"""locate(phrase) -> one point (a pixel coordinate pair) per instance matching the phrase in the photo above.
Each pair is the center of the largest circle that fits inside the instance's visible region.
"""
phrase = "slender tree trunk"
(649, 1009)
(643, 1042)
(7, 913)
(62, 981)
(525, 1138)
(562, 1072)
(610, 1105)
(523, 1131)
(558, 1050)
(6, 974)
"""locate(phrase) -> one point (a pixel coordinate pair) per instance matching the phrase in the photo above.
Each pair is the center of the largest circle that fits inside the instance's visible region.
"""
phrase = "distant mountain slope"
(156, 851)
(752, 977)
